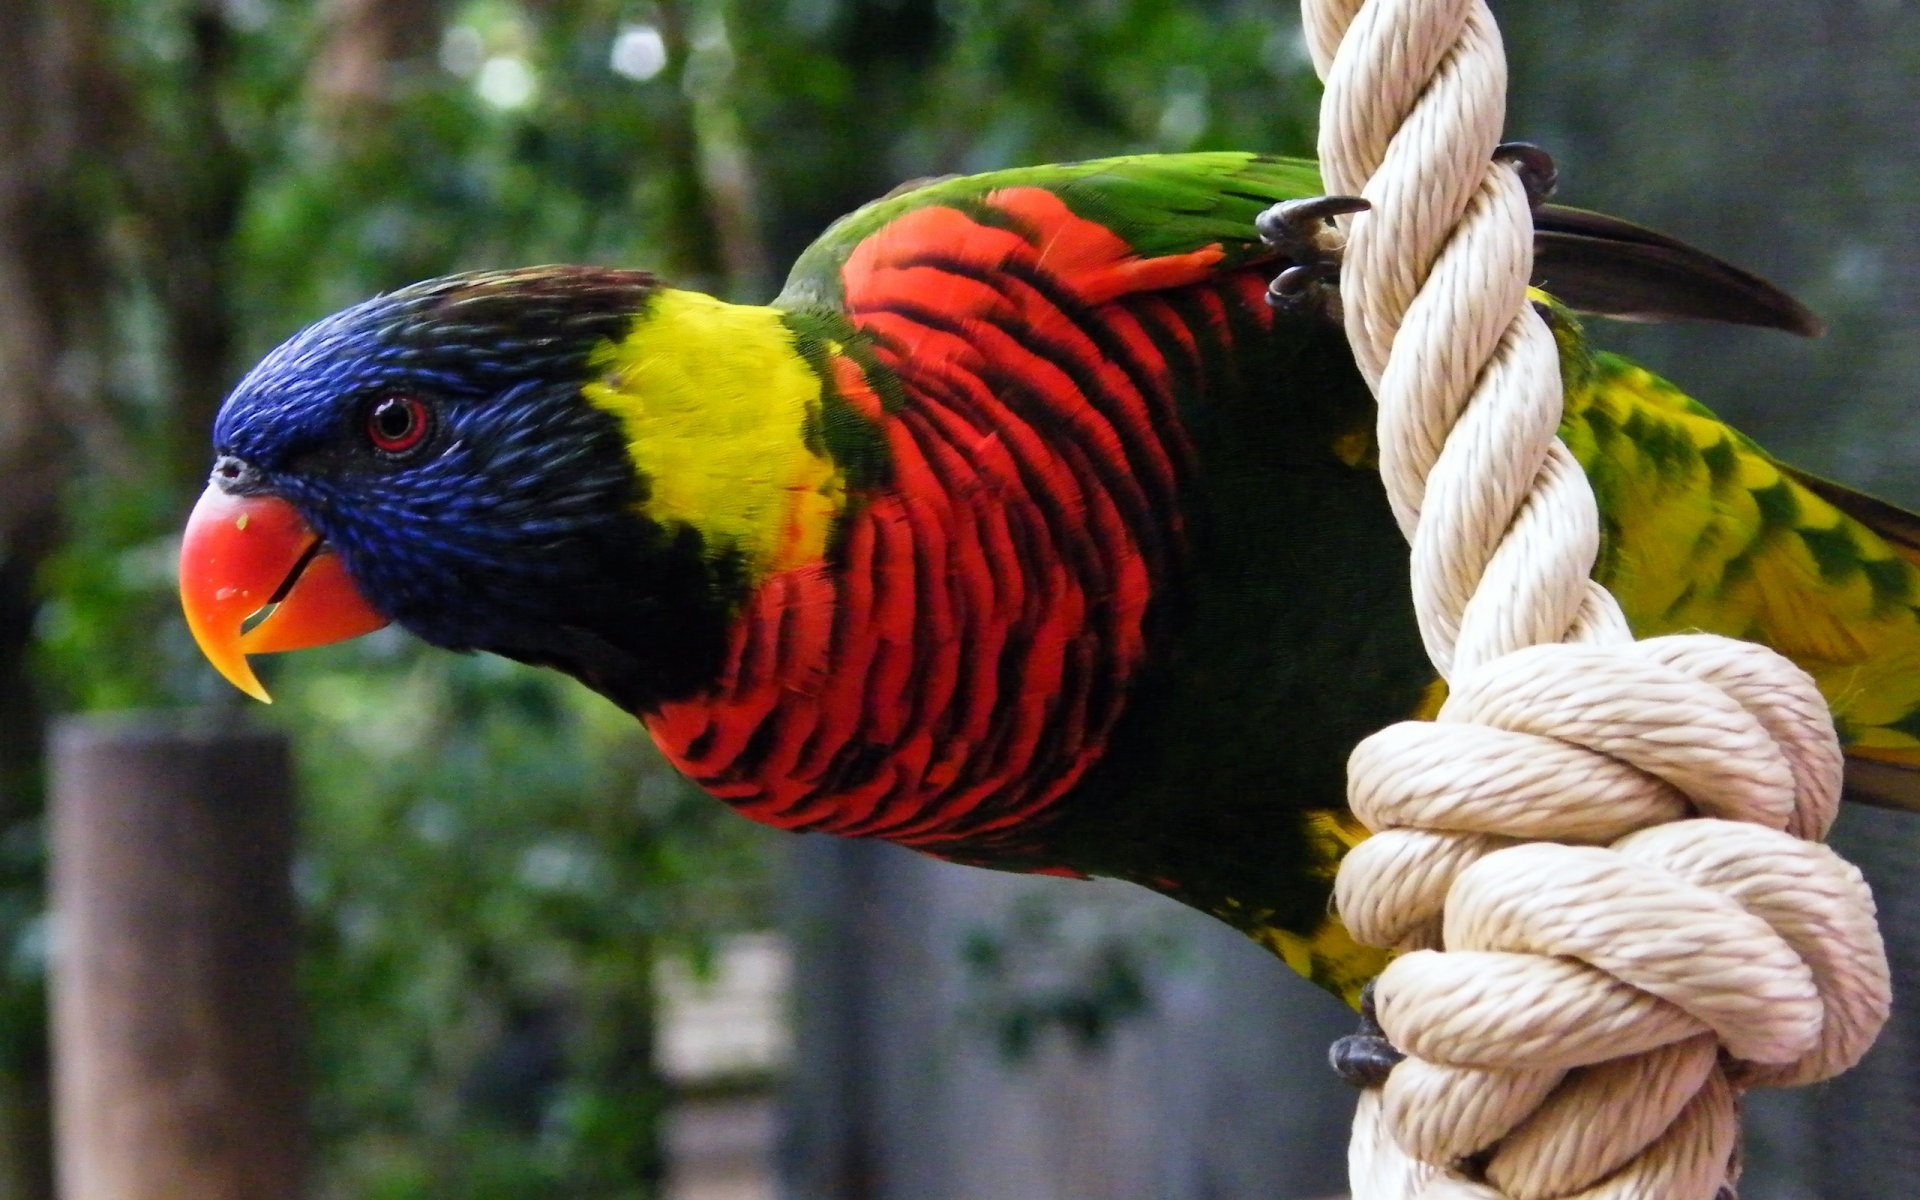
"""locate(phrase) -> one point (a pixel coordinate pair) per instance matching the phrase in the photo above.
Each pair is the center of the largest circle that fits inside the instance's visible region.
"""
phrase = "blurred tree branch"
(694, 229)
(185, 193)
(718, 157)
(56, 110)
(368, 50)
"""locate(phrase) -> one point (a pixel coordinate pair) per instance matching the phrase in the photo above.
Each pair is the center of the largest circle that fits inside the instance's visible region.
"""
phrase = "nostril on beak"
(232, 474)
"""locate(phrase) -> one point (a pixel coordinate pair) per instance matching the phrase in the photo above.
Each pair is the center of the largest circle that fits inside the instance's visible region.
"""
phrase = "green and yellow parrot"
(1019, 529)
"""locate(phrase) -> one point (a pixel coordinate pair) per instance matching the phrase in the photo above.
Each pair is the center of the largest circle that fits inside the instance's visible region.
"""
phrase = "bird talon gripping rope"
(1365, 1058)
(1304, 232)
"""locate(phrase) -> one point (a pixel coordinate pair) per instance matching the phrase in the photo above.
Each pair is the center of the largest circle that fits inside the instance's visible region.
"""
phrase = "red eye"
(396, 424)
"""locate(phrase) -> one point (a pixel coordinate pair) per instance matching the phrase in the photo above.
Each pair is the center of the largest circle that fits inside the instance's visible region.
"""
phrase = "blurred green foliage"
(493, 864)
(492, 858)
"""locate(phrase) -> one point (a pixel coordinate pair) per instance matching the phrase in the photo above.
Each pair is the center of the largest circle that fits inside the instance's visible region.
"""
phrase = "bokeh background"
(507, 903)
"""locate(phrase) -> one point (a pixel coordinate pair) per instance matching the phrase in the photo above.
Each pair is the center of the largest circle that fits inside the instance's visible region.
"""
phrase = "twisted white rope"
(1569, 1041)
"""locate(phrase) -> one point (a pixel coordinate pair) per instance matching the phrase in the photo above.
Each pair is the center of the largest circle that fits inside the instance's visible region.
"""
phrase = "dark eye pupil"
(393, 420)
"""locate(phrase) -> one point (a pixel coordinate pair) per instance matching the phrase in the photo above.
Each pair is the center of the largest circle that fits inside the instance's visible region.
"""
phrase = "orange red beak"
(241, 554)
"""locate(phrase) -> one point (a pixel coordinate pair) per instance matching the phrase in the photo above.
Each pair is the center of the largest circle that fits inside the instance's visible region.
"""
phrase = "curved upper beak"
(242, 553)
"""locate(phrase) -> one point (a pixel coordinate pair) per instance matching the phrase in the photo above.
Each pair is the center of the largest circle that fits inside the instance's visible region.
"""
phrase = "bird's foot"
(1365, 1058)
(1303, 231)
(1538, 173)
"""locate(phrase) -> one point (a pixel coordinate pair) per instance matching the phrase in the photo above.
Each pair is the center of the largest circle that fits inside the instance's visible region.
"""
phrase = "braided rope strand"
(1606, 836)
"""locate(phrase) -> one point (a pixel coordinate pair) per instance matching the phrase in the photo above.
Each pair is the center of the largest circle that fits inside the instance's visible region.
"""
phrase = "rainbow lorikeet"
(1019, 529)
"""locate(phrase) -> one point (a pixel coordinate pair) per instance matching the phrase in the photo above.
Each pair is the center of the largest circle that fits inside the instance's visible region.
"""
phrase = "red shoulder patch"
(1042, 233)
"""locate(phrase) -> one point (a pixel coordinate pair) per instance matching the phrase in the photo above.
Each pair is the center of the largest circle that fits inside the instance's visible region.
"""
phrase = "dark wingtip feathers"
(1609, 267)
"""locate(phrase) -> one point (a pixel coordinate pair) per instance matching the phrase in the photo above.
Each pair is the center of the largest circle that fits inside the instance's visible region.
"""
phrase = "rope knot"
(1609, 970)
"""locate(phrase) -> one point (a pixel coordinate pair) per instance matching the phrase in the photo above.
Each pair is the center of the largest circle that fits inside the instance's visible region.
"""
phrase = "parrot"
(1020, 528)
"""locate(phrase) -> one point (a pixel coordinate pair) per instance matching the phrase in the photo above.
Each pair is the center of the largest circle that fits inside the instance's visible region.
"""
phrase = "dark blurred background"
(509, 906)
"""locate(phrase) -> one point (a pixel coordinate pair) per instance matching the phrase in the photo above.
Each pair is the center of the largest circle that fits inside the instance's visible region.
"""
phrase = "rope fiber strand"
(1601, 861)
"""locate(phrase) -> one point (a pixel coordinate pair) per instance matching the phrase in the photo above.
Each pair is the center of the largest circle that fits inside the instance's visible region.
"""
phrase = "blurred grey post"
(177, 1057)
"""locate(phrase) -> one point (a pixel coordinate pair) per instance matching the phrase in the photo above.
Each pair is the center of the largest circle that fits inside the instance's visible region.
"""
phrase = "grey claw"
(1294, 226)
(1293, 282)
(1308, 288)
(1539, 174)
(1365, 1058)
